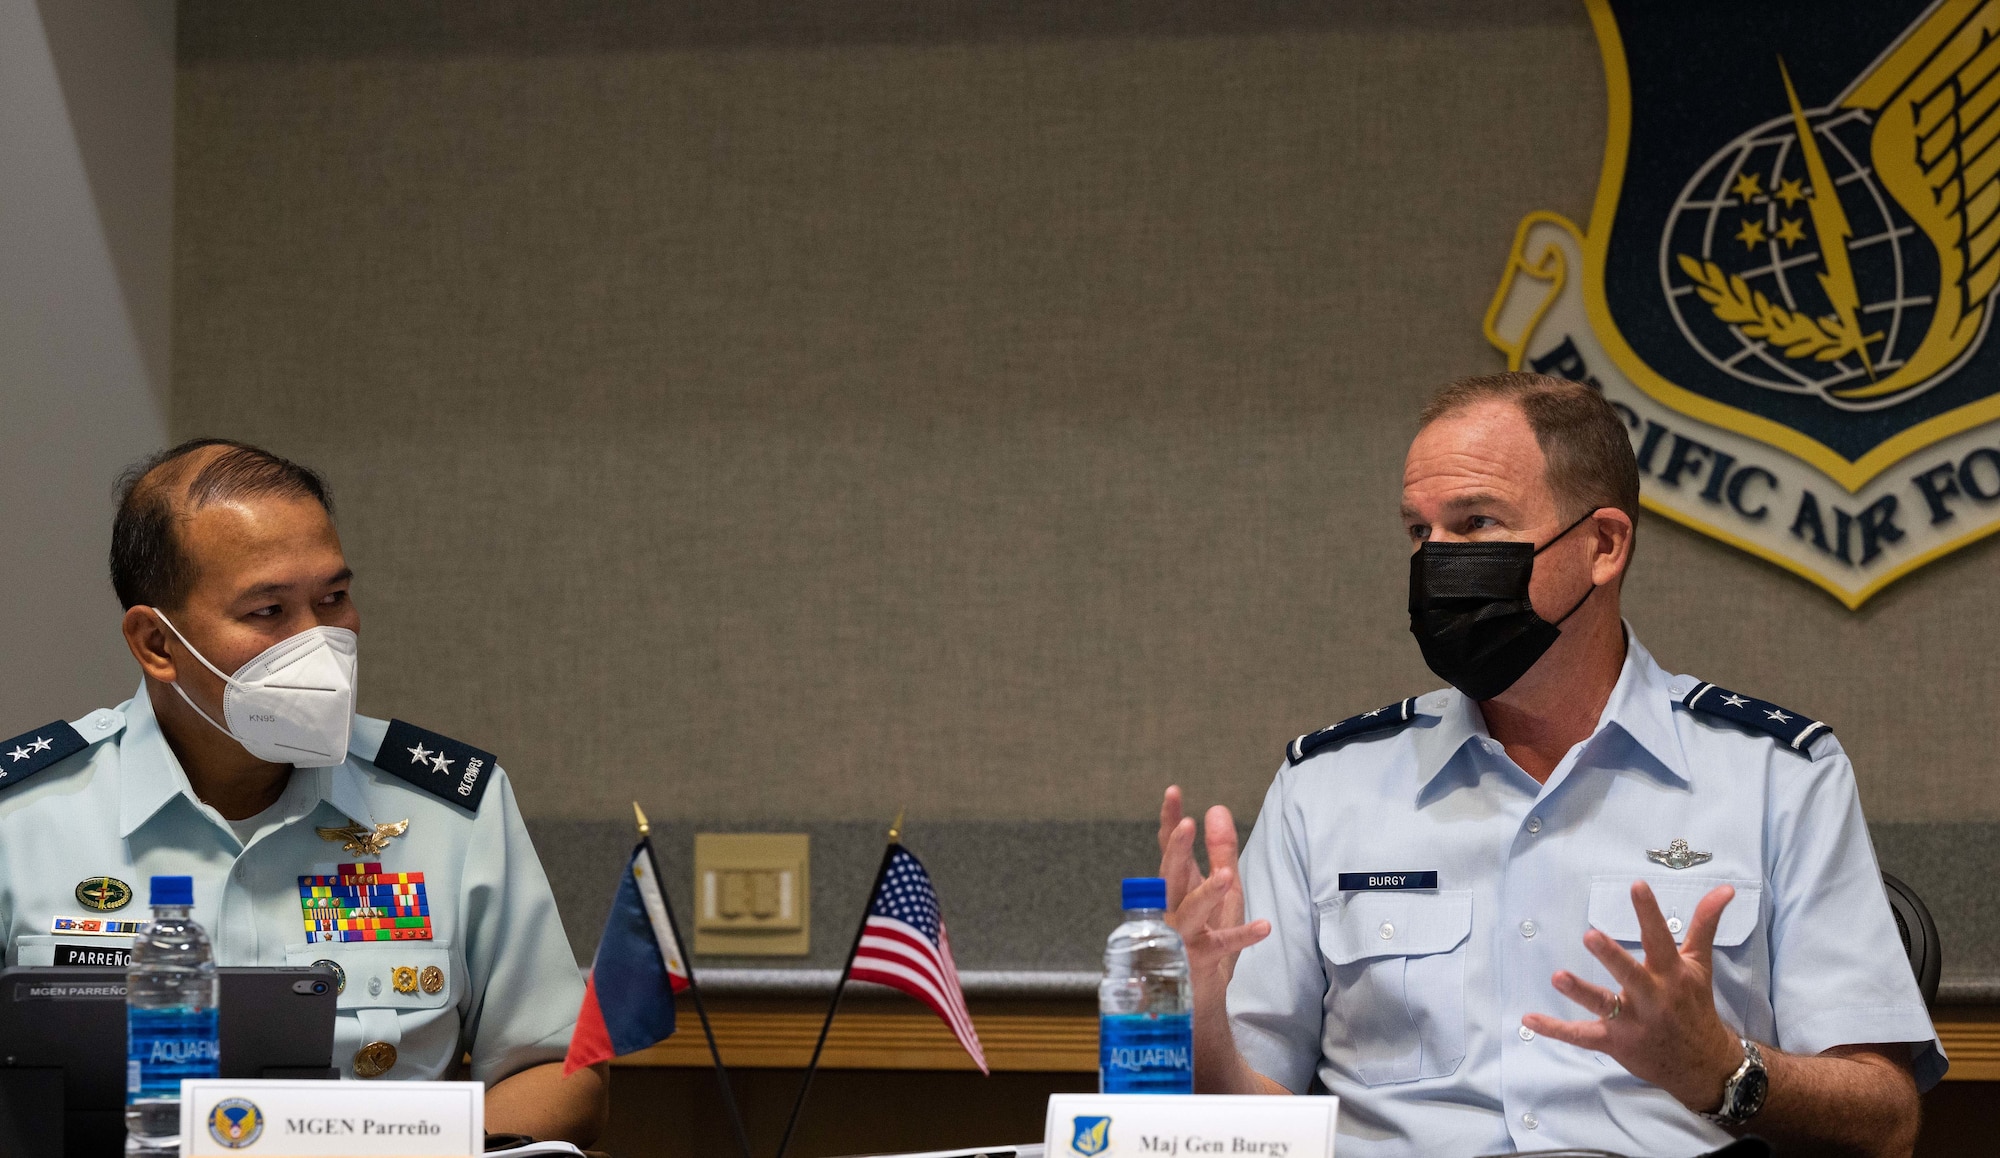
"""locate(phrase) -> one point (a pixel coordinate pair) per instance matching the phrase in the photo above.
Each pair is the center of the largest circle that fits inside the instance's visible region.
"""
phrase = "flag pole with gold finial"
(694, 987)
(840, 987)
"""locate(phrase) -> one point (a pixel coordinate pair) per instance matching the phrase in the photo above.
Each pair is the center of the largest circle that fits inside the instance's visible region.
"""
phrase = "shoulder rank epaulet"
(1791, 729)
(437, 764)
(31, 752)
(1381, 719)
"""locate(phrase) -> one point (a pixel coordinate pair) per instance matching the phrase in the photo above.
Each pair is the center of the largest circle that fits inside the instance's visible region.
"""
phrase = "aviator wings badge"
(360, 839)
(1677, 855)
(1786, 284)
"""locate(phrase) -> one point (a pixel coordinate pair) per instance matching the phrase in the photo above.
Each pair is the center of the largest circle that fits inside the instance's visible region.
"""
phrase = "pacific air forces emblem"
(1786, 284)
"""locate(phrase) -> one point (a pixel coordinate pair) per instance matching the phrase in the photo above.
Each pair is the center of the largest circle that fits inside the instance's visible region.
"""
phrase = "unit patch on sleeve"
(360, 902)
(1393, 716)
(1793, 730)
(437, 764)
(30, 752)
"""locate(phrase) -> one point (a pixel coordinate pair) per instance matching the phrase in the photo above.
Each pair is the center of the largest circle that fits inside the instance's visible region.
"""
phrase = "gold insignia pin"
(432, 979)
(103, 894)
(374, 1059)
(404, 979)
(359, 839)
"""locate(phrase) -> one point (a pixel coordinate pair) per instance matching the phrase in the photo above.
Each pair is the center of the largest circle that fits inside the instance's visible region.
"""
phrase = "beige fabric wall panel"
(998, 424)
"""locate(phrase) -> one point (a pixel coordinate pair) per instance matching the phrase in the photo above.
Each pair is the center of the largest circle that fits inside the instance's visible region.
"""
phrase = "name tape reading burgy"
(1361, 882)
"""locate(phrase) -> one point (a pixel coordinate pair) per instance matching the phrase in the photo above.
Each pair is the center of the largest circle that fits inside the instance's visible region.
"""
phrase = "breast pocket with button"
(1611, 908)
(1396, 965)
(394, 1005)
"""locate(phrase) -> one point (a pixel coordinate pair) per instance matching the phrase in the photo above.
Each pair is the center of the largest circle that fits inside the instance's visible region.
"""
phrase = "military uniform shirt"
(1403, 993)
(505, 988)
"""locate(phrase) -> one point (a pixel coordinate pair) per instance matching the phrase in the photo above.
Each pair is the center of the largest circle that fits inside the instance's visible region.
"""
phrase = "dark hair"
(157, 494)
(1590, 460)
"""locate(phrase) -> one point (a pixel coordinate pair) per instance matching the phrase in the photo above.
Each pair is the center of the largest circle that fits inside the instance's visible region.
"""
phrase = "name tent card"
(1188, 1126)
(307, 1119)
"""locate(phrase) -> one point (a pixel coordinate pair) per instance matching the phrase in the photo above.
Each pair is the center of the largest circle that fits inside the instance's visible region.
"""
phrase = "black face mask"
(1470, 612)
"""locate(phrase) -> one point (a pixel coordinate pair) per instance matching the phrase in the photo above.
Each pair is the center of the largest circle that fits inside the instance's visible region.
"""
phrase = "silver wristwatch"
(1743, 1094)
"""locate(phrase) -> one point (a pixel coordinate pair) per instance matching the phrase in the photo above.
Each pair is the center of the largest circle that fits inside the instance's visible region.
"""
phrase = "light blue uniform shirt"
(122, 808)
(1407, 1003)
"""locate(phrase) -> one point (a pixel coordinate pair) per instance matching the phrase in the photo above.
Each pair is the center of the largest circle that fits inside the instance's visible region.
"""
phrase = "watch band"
(1743, 1094)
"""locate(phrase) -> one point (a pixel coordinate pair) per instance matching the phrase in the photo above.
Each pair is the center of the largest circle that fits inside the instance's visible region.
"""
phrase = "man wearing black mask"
(1686, 866)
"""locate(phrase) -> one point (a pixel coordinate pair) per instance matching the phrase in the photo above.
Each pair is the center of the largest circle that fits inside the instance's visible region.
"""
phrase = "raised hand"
(1661, 1024)
(1206, 912)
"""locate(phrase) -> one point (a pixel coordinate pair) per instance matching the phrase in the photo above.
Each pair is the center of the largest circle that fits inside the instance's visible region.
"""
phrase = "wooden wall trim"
(881, 1041)
(1061, 1043)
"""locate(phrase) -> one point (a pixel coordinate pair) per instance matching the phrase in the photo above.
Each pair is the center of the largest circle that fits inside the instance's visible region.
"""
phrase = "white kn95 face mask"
(294, 702)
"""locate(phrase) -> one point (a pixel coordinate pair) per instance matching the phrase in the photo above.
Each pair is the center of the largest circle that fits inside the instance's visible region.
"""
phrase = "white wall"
(86, 210)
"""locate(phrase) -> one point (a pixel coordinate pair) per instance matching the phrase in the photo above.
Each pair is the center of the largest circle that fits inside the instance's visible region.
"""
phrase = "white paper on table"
(1189, 1126)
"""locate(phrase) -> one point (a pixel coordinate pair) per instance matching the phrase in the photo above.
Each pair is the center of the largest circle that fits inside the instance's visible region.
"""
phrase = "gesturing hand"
(1662, 1024)
(1207, 913)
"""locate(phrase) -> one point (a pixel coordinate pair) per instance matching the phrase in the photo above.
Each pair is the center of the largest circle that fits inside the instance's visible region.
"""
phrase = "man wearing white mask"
(240, 762)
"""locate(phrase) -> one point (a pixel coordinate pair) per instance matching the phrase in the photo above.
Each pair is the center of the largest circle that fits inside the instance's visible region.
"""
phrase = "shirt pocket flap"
(1356, 926)
(386, 975)
(1611, 907)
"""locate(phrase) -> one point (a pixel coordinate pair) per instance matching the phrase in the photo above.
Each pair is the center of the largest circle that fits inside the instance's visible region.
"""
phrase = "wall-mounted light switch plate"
(751, 893)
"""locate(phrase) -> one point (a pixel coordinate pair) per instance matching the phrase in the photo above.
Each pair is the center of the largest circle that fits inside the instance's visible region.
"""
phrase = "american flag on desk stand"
(902, 944)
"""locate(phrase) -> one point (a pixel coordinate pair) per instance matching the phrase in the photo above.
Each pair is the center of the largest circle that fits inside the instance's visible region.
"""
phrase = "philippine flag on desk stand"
(628, 1003)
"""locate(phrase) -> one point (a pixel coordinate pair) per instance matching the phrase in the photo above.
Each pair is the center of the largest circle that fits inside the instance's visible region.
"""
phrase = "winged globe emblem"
(363, 840)
(1786, 284)
(1873, 325)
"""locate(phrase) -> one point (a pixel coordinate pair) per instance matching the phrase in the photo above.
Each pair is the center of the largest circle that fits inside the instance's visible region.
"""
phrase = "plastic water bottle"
(1145, 1025)
(170, 1024)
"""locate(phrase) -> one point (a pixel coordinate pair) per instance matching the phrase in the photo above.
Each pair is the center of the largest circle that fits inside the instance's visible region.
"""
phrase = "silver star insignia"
(41, 745)
(1677, 855)
(1775, 714)
(359, 838)
(19, 753)
(1734, 700)
(1376, 712)
(440, 763)
(419, 754)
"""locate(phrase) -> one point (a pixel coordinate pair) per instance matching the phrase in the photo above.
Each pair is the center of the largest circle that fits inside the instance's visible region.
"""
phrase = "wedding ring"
(1617, 1002)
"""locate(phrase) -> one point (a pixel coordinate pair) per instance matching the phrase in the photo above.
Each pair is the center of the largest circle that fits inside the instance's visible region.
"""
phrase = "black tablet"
(62, 1048)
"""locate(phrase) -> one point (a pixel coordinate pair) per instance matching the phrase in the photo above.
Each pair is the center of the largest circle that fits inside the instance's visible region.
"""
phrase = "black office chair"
(1920, 935)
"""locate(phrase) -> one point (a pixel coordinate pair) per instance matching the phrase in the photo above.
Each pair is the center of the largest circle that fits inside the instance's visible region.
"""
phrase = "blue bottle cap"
(173, 891)
(1144, 893)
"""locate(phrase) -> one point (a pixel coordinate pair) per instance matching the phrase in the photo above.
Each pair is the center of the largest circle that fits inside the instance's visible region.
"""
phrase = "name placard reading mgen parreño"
(1190, 1126)
(295, 1119)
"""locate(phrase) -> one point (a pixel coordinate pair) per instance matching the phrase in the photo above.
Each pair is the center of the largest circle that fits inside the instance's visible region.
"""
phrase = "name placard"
(1191, 1126)
(303, 1119)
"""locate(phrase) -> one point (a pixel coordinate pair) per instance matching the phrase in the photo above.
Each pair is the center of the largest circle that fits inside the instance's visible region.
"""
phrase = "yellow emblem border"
(1852, 474)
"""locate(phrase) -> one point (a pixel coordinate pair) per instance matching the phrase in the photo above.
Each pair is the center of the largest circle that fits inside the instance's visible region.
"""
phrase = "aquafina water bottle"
(170, 1019)
(1145, 1028)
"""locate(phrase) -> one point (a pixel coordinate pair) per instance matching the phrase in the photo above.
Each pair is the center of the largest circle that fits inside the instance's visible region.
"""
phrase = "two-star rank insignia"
(437, 764)
(1392, 716)
(1791, 729)
(31, 752)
